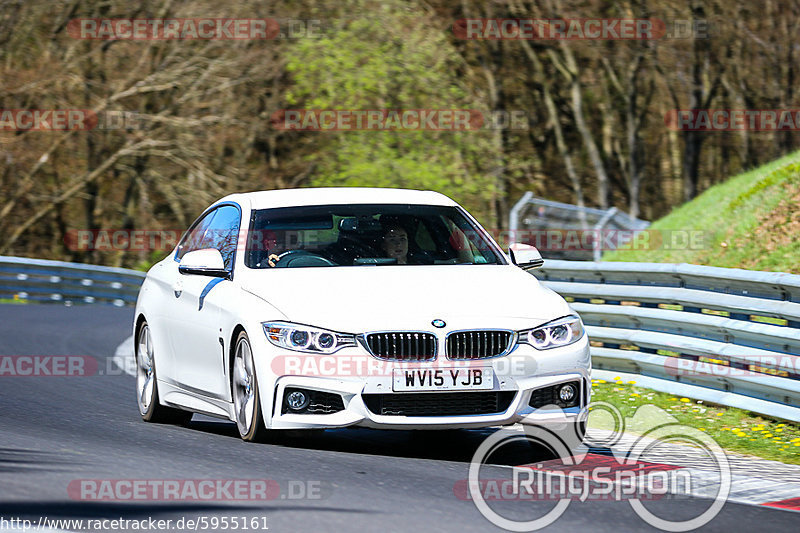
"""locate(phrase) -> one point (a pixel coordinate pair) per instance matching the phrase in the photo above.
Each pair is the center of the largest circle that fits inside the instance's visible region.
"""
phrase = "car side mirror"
(206, 262)
(525, 256)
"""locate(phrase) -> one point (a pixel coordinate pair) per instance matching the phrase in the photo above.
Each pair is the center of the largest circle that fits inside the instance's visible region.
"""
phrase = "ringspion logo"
(579, 476)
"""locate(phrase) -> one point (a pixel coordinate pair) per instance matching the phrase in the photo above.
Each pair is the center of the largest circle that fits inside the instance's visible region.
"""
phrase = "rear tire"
(246, 396)
(147, 385)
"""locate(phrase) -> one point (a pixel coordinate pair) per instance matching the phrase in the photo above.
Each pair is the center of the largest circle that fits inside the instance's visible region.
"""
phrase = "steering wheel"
(302, 256)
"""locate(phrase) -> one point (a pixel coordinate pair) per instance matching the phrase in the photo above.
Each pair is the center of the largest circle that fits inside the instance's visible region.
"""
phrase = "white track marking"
(123, 357)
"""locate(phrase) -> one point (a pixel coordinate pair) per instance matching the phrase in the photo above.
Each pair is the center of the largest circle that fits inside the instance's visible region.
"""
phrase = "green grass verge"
(734, 429)
(750, 221)
(14, 300)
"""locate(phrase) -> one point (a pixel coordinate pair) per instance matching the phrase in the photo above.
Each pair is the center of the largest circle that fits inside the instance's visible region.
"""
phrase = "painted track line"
(123, 357)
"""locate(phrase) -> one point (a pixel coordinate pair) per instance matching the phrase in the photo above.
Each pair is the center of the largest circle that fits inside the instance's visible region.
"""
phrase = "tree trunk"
(568, 67)
(603, 189)
(561, 145)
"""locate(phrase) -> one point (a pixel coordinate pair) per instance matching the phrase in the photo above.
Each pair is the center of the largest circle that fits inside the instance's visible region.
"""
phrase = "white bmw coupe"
(330, 308)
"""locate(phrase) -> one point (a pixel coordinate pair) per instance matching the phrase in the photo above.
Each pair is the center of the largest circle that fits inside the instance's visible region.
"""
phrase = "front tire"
(147, 385)
(246, 396)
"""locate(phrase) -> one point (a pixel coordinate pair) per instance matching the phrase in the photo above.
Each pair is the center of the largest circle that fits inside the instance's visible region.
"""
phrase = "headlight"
(557, 333)
(302, 338)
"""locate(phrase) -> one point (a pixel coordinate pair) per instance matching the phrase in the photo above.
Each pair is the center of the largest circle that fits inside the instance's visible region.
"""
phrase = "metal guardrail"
(39, 280)
(733, 331)
(538, 214)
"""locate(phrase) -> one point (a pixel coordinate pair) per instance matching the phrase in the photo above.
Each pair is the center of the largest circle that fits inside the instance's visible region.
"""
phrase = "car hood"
(372, 298)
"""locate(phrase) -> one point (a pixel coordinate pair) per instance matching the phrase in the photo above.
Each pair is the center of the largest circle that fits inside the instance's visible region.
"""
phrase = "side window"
(223, 233)
(196, 238)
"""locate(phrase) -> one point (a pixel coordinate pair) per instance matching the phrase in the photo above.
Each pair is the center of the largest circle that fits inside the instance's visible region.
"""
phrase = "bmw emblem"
(438, 323)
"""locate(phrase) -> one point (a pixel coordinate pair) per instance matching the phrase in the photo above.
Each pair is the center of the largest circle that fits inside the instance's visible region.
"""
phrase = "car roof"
(337, 195)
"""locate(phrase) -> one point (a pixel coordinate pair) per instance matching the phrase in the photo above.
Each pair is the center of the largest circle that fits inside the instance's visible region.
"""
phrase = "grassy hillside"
(751, 221)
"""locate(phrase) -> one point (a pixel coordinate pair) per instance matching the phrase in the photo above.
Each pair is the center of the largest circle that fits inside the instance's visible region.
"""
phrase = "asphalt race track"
(57, 430)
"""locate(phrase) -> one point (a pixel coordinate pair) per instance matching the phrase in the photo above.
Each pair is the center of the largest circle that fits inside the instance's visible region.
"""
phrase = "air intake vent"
(439, 403)
(478, 344)
(402, 346)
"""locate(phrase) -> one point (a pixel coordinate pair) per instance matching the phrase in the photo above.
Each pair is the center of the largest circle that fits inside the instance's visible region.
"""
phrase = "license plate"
(481, 378)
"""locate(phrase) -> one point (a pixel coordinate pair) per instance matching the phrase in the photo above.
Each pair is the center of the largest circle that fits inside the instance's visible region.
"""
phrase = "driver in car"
(395, 243)
(264, 241)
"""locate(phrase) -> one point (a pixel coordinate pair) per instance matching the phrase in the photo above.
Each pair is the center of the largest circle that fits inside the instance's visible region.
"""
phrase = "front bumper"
(518, 375)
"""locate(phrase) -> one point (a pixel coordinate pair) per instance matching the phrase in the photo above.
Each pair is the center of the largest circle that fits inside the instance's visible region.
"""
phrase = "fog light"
(296, 400)
(567, 393)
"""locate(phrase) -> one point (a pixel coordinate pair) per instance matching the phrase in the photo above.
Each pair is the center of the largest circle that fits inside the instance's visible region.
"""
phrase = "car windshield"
(369, 234)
